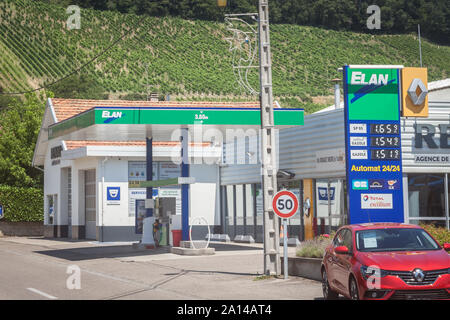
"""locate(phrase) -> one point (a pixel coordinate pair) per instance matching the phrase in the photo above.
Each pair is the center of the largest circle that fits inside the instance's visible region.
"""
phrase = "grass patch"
(264, 277)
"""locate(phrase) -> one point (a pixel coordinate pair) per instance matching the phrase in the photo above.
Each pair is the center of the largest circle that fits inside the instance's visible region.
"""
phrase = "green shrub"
(314, 248)
(22, 204)
(442, 235)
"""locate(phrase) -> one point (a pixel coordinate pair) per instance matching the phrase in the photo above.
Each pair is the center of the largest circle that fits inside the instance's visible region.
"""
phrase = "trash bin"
(176, 236)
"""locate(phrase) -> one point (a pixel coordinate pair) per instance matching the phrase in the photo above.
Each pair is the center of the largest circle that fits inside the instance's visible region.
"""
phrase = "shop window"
(426, 196)
(230, 205)
(330, 206)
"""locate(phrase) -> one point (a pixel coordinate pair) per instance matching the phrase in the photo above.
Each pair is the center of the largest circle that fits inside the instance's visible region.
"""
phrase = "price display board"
(373, 143)
(381, 142)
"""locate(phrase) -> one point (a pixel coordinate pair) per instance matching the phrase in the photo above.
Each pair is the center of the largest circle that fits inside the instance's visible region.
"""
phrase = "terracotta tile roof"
(72, 144)
(67, 108)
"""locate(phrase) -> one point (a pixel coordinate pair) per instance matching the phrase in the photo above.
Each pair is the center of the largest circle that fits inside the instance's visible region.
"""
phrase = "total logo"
(376, 201)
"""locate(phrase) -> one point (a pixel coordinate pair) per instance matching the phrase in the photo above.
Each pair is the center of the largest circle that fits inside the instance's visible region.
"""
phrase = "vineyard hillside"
(186, 59)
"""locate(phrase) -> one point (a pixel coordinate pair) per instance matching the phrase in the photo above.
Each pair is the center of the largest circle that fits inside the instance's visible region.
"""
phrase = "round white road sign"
(285, 204)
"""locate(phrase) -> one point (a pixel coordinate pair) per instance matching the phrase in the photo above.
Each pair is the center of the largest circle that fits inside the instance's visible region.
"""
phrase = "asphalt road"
(36, 268)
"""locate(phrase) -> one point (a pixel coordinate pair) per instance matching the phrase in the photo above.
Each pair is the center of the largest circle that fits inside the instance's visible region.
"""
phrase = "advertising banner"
(373, 144)
(168, 170)
(137, 171)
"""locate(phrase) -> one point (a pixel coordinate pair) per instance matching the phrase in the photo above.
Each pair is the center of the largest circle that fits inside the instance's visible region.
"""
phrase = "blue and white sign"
(1, 212)
(373, 144)
(112, 195)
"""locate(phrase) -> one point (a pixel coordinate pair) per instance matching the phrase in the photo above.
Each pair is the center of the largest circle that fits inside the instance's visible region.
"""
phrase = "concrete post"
(272, 264)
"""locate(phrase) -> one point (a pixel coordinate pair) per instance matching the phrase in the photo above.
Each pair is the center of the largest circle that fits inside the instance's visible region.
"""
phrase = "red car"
(385, 261)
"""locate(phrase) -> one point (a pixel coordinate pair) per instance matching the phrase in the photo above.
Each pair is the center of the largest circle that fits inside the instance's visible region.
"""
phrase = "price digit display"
(384, 128)
(385, 154)
(385, 141)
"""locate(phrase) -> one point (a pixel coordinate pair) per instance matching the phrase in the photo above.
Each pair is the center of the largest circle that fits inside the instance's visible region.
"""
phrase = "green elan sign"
(110, 116)
(373, 94)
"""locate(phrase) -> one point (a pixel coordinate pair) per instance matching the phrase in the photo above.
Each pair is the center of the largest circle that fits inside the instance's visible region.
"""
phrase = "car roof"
(380, 225)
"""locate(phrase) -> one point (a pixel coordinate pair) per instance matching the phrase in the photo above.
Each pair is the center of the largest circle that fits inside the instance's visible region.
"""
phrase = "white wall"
(116, 175)
(52, 178)
(204, 193)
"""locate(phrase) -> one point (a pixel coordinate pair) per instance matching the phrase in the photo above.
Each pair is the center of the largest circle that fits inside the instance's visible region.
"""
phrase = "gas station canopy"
(123, 123)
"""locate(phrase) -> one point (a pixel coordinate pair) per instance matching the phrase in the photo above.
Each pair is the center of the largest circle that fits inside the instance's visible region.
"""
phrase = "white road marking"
(42, 293)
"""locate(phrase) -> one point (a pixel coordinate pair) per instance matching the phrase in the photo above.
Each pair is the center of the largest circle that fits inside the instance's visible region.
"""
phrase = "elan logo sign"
(359, 78)
(111, 115)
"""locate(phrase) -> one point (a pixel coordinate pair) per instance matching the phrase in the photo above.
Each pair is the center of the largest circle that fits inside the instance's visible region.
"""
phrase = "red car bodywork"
(398, 281)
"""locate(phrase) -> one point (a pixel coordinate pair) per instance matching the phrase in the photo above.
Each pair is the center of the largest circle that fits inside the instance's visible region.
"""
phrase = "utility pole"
(272, 263)
(420, 45)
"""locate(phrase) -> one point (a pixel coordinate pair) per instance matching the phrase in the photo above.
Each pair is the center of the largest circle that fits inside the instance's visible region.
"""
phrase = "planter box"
(303, 267)
(20, 229)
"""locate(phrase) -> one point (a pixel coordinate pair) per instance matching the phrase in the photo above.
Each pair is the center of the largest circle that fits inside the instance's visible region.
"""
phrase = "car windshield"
(394, 239)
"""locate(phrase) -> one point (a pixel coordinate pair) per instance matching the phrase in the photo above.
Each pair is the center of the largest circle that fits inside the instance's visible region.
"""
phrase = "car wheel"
(328, 293)
(354, 295)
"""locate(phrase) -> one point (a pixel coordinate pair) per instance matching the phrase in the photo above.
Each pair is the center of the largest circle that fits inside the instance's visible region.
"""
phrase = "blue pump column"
(149, 171)
(185, 187)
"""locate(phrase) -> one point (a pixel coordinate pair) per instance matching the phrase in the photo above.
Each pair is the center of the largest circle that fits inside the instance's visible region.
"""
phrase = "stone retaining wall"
(21, 228)
(303, 267)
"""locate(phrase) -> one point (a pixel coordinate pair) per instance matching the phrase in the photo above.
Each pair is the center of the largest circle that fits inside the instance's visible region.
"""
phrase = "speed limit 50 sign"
(285, 204)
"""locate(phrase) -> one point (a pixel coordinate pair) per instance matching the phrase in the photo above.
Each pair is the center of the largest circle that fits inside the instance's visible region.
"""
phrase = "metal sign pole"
(272, 263)
(286, 272)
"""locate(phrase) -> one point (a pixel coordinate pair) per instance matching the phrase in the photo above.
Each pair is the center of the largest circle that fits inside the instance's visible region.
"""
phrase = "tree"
(5, 100)
(79, 87)
(19, 128)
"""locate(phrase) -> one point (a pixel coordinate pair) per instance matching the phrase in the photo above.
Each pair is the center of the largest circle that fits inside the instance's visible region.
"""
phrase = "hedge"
(22, 204)
(442, 235)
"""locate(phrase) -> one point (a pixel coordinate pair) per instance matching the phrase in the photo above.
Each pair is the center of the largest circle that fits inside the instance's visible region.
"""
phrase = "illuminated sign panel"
(373, 144)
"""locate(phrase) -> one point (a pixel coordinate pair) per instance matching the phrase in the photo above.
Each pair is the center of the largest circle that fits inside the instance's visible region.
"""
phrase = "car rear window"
(394, 239)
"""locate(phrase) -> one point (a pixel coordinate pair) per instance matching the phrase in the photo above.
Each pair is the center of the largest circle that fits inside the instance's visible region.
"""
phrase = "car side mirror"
(341, 250)
(447, 246)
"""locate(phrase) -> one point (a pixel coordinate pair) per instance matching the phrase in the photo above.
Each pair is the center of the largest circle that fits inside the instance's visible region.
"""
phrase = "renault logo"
(418, 275)
(417, 91)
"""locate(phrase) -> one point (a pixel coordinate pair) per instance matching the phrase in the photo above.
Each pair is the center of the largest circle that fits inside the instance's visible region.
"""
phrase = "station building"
(78, 173)
(227, 194)
(312, 163)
